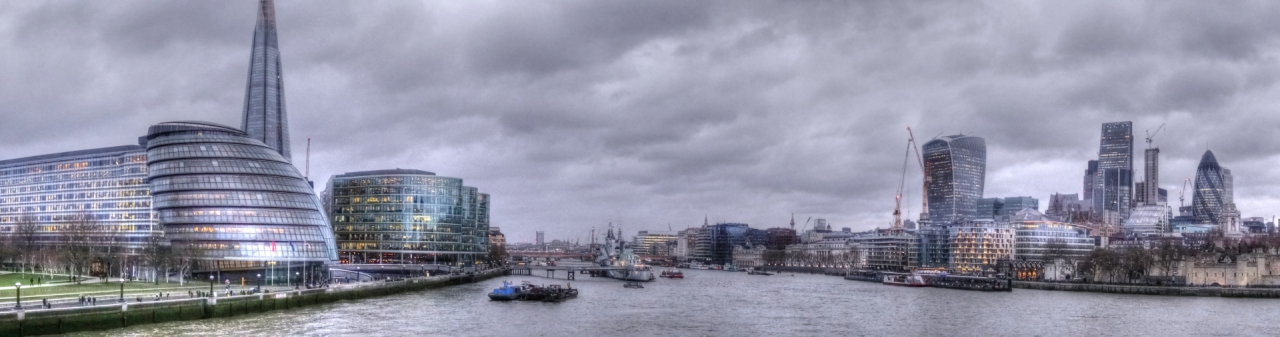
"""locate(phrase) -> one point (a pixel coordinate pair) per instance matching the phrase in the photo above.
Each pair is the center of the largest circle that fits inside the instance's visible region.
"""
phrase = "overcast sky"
(575, 114)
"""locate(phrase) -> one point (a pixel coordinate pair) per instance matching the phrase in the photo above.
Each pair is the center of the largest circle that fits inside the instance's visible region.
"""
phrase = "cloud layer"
(573, 114)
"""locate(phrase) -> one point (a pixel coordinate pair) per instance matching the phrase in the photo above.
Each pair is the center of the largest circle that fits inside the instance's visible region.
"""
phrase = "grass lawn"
(101, 289)
(7, 280)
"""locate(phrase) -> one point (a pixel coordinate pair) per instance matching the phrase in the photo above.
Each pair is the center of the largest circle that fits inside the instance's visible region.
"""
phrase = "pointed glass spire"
(264, 113)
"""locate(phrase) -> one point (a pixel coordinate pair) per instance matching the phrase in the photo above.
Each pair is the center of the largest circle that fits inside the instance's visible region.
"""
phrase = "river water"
(717, 303)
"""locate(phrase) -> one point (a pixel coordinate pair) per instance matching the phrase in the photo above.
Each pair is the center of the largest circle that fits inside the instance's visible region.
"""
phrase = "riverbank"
(1151, 290)
(118, 315)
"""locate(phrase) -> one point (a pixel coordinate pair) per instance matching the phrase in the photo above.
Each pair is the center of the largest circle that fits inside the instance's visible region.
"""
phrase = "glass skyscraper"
(1210, 193)
(107, 185)
(406, 216)
(264, 115)
(957, 170)
(1115, 169)
(236, 200)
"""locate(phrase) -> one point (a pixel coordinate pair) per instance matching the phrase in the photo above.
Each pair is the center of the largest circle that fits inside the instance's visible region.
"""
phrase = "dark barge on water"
(937, 279)
(529, 292)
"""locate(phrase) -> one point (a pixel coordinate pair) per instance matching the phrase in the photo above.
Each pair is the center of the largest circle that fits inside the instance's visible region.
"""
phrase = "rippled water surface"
(714, 303)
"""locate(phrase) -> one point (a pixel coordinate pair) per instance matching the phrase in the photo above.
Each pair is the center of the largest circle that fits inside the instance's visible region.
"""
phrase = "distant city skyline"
(740, 112)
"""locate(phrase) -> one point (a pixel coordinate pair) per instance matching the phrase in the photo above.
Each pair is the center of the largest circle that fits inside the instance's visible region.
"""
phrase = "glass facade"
(1115, 169)
(977, 244)
(107, 184)
(264, 114)
(957, 170)
(234, 199)
(407, 217)
(1209, 195)
(1035, 239)
(722, 237)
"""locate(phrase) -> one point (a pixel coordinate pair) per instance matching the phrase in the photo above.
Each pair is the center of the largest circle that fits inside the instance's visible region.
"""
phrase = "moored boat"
(672, 273)
(904, 280)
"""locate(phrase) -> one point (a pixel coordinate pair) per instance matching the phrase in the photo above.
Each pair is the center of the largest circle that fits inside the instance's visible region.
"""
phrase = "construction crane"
(924, 187)
(897, 199)
(1182, 191)
(1151, 135)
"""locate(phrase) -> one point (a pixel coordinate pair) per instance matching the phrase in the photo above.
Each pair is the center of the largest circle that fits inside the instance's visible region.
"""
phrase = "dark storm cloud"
(573, 114)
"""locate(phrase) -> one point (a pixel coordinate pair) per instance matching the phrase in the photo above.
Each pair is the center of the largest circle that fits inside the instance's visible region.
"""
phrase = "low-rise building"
(979, 243)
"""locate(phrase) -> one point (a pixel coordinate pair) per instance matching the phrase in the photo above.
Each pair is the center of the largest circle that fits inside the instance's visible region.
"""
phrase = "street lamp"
(259, 282)
(210, 285)
(299, 276)
(121, 292)
(18, 303)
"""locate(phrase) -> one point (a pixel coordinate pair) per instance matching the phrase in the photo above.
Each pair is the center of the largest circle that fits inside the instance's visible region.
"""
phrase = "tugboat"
(672, 273)
(509, 292)
(633, 285)
(530, 292)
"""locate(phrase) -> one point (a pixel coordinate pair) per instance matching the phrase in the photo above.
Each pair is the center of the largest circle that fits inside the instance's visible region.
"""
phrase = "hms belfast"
(622, 261)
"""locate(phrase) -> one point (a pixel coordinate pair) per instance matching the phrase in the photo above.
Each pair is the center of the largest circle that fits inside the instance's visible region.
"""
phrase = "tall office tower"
(1209, 194)
(1089, 174)
(1151, 183)
(957, 168)
(264, 114)
(541, 238)
(1115, 169)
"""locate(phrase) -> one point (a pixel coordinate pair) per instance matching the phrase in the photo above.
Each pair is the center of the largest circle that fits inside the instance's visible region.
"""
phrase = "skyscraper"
(1090, 174)
(1115, 170)
(1210, 190)
(957, 168)
(264, 113)
(1151, 187)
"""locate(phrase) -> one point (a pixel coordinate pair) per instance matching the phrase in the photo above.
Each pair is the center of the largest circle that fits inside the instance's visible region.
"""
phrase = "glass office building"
(234, 199)
(1040, 240)
(957, 167)
(1115, 169)
(1209, 195)
(406, 216)
(106, 185)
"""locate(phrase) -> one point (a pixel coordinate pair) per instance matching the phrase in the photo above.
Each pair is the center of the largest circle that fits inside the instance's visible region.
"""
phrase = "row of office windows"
(110, 194)
(229, 181)
(139, 180)
(73, 165)
(131, 171)
(235, 198)
(410, 180)
(216, 151)
(77, 207)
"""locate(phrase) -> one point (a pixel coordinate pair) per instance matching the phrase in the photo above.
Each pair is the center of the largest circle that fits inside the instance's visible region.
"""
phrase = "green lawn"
(7, 280)
(100, 289)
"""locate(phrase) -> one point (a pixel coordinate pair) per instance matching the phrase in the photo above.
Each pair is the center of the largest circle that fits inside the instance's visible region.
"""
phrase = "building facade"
(235, 200)
(1115, 170)
(957, 170)
(405, 216)
(979, 243)
(1209, 194)
(106, 188)
(1042, 240)
(264, 117)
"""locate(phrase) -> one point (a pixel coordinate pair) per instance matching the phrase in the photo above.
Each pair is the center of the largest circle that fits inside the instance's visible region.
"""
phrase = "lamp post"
(121, 292)
(17, 304)
(299, 276)
(259, 282)
(210, 285)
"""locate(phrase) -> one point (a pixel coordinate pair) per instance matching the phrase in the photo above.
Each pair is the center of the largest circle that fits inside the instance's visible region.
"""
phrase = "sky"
(656, 114)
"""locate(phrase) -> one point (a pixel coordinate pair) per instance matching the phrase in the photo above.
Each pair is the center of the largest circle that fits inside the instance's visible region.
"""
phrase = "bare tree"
(156, 256)
(77, 247)
(184, 257)
(1167, 256)
(1057, 249)
(25, 234)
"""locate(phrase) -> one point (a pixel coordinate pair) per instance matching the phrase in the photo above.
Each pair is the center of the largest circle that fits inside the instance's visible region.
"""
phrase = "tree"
(1057, 249)
(497, 254)
(184, 257)
(1167, 256)
(25, 233)
(156, 256)
(76, 247)
(1136, 262)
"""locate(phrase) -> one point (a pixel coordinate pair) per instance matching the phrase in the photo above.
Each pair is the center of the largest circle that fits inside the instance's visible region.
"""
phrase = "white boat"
(617, 254)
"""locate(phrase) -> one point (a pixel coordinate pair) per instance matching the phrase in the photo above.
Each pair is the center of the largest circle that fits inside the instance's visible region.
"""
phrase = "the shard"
(264, 113)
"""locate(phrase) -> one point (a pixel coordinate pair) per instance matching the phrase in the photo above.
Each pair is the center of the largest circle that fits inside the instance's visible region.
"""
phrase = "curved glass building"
(406, 216)
(957, 167)
(1210, 190)
(238, 202)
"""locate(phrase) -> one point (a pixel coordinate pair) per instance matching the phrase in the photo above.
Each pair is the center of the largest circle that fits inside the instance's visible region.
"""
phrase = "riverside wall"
(1151, 290)
(118, 315)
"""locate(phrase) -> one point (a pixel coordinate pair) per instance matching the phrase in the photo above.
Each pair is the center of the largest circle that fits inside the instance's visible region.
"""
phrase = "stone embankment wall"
(808, 270)
(1151, 290)
(115, 315)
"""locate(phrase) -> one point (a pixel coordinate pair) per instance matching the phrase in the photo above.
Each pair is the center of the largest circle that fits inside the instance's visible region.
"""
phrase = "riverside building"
(404, 216)
(106, 186)
(235, 200)
(977, 244)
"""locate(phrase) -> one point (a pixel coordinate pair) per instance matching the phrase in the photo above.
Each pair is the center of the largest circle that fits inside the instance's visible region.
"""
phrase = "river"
(716, 303)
